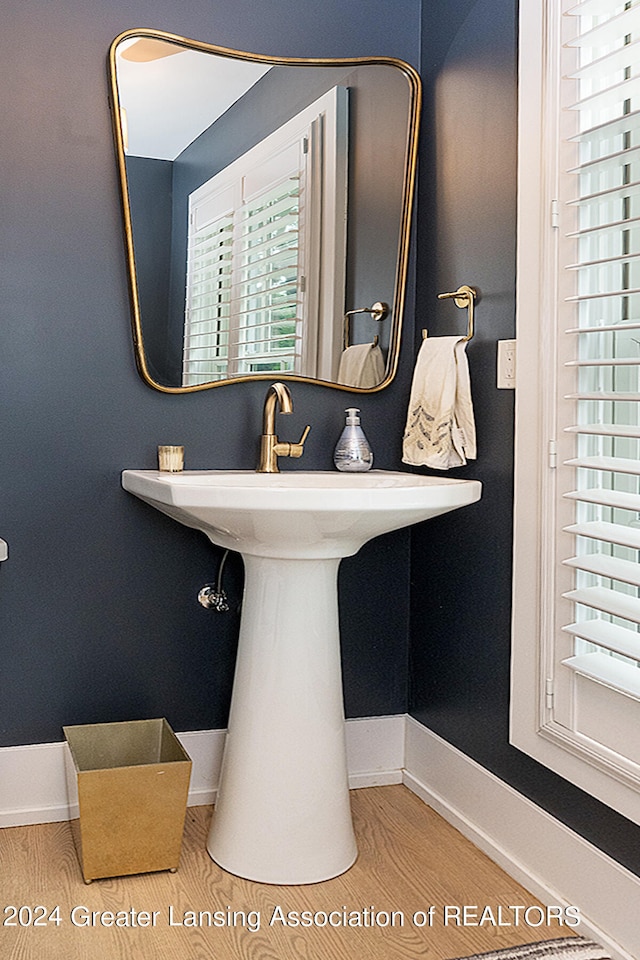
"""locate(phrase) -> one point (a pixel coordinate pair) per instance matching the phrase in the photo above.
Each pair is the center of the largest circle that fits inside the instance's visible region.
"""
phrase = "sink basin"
(282, 812)
(298, 514)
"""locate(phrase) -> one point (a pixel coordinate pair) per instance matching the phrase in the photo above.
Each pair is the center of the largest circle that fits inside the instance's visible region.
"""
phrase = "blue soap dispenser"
(353, 453)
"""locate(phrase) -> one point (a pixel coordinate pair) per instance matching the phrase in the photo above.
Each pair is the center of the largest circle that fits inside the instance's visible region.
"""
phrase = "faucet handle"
(286, 449)
(305, 434)
(295, 449)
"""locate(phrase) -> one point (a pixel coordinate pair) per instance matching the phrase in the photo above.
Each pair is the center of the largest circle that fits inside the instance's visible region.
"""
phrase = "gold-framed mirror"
(267, 206)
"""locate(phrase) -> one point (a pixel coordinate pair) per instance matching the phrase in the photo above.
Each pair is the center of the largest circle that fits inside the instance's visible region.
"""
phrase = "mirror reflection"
(266, 207)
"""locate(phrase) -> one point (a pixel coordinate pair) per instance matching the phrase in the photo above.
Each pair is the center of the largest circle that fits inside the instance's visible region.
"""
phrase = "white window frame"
(536, 510)
(320, 131)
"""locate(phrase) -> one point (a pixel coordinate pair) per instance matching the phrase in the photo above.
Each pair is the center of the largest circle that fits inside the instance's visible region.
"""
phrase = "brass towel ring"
(379, 311)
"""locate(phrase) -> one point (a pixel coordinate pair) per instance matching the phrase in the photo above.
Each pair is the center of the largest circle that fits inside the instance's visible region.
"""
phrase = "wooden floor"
(409, 859)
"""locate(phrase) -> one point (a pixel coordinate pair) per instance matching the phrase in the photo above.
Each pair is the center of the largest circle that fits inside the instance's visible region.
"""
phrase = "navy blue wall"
(150, 184)
(98, 612)
(461, 565)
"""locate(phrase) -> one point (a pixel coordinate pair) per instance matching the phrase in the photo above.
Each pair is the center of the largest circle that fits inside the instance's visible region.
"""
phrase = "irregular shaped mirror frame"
(396, 308)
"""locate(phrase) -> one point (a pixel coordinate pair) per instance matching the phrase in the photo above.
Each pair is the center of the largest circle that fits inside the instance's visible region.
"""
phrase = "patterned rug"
(566, 948)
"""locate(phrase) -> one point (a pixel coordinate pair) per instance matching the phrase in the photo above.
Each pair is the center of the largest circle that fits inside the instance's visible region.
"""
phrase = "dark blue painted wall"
(150, 184)
(98, 612)
(461, 565)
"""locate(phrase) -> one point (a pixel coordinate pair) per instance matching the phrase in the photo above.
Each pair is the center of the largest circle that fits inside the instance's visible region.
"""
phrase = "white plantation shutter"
(601, 253)
(268, 284)
(244, 296)
(586, 665)
(206, 337)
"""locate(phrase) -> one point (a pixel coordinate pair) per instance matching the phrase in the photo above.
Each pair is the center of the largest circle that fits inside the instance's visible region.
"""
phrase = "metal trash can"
(127, 786)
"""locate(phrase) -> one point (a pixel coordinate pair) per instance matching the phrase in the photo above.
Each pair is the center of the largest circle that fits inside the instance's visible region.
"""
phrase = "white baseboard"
(547, 858)
(33, 787)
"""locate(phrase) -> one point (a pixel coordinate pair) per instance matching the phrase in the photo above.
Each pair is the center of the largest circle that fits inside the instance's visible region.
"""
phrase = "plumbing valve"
(213, 598)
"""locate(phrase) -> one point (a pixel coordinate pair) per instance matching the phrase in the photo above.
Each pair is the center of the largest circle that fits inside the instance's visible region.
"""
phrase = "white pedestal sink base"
(282, 813)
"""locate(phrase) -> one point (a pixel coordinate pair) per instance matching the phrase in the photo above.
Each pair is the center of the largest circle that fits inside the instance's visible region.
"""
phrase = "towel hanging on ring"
(361, 365)
(440, 432)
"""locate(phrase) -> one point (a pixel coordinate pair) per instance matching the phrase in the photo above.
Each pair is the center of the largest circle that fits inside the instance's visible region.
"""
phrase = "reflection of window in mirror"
(267, 254)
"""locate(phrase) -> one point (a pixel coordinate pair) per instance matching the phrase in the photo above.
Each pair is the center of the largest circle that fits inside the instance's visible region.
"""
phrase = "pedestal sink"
(282, 812)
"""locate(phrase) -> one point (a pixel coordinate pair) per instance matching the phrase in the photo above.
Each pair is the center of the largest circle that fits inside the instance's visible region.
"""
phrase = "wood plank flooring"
(409, 859)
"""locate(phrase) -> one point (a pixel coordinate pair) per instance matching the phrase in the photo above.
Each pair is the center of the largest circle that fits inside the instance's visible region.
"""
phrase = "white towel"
(440, 431)
(361, 365)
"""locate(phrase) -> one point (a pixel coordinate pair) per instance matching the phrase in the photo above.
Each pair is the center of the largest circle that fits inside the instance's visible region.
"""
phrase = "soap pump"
(353, 453)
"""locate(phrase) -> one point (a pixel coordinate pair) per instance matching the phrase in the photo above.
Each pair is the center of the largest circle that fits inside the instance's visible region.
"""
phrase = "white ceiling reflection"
(191, 87)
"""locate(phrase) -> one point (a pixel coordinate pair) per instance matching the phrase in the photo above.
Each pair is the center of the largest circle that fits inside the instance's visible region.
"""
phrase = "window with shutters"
(260, 235)
(576, 623)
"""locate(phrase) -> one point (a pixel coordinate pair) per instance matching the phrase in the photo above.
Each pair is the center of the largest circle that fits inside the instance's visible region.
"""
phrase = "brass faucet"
(270, 447)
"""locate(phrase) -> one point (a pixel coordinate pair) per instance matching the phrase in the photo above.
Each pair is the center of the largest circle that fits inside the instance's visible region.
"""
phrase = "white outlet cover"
(506, 379)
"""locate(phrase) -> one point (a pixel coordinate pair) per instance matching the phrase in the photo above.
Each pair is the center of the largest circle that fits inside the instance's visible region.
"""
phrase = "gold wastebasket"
(127, 785)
